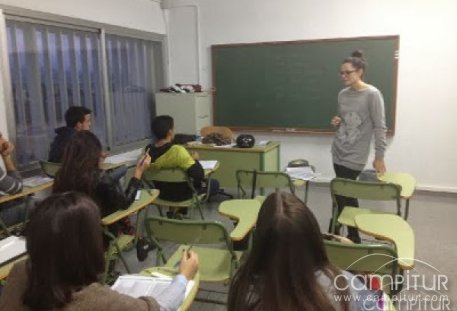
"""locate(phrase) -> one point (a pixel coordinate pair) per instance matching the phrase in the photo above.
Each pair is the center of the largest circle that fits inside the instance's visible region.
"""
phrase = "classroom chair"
(217, 262)
(175, 175)
(374, 191)
(50, 168)
(364, 259)
(254, 180)
(119, 243)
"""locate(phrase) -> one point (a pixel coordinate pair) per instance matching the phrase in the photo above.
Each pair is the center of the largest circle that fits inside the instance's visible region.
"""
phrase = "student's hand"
(142, 164)
(379, 166)
(195, 155)
(335, 121)
(6, 147)
(189, 264)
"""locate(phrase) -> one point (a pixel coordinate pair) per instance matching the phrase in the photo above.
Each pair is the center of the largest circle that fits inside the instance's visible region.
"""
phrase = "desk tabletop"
(26, 191)
(147, 196)
(171, 273)
(257, 149)
(245, 212)
(5, 269)
(392, 228)
(405, 180)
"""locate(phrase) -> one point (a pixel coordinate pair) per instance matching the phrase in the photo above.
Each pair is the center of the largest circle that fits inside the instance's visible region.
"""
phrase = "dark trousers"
(341, 201)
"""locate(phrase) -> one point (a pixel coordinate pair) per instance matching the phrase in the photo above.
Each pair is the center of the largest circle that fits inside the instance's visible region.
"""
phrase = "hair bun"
(357, 53)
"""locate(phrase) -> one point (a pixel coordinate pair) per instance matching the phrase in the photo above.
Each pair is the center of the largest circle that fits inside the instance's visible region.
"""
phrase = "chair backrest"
(187, 231)
(253, 180)
(169, 175)
(367, 190)
(50, 168)
(378, 259)
(225, 131)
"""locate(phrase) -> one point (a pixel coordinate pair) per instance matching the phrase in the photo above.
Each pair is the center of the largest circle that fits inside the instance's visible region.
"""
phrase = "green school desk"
(245, 212)
(261, 158)
(392, 228)
(407, 183)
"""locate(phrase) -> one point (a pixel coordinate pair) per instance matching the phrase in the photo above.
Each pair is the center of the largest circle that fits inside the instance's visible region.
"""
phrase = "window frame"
(158, 68)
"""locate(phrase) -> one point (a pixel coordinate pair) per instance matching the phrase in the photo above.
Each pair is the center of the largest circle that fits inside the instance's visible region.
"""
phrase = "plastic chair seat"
(347, 216)
(214, 263)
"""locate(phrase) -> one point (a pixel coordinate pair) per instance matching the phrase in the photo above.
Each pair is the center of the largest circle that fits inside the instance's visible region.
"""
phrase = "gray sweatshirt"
(362, 115)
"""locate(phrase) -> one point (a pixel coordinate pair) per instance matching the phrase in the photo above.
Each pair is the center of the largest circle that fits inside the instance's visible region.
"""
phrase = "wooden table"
(245, 212)
(392, 228)
(189, 299)
(260, 158)
(407, 183)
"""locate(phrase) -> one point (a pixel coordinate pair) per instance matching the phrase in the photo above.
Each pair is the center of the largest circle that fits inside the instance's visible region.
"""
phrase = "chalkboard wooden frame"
(342, 47)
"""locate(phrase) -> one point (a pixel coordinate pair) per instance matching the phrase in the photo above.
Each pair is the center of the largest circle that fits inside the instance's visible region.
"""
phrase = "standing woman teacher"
(360, 116)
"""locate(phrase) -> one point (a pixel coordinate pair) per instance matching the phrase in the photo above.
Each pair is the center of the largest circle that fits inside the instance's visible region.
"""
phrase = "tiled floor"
(432, 216)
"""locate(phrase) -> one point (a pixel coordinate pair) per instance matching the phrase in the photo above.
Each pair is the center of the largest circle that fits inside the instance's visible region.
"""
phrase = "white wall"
(143, 15)
(425, 140)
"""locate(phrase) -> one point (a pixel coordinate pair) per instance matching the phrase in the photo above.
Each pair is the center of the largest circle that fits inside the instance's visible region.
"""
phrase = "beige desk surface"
(172, 272)
(405, 180)
(25, 192)
(245, 212)
(5, 269)
(146, 197)
(256, 149)
(392, 228)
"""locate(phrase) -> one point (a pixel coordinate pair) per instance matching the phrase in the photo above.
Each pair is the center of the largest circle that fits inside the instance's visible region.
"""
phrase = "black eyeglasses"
(347, 72)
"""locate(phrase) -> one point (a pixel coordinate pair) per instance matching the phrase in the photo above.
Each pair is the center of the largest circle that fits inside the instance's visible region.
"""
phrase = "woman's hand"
(189, 264)
(335, 121)
(379, 166)
(142, 164)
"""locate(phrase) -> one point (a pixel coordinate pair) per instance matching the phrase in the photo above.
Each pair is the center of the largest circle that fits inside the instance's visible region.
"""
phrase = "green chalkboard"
(293, 86)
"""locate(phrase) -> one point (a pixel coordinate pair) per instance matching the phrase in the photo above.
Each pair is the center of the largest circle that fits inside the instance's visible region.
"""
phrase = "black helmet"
(245, 141)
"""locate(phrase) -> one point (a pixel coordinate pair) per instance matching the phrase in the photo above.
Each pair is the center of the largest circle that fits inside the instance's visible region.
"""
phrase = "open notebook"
(11, 248)
(137, 285)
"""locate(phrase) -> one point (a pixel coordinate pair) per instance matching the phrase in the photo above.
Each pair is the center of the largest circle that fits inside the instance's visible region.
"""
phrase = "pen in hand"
(187, 250)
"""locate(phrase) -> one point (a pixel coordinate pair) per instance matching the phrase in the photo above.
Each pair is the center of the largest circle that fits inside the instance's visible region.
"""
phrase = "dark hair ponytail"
(356, 60)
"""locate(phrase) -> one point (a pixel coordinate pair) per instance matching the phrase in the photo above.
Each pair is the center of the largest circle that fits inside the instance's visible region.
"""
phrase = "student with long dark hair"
(81, 172)
(66, 257)
(360, 117)
(288, 267)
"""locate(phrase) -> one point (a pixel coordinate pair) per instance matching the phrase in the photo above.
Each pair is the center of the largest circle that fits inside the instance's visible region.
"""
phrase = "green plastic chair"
(216, 264)
(375, 191)
(253, 180)
(50, 168)
(377, 259)
(174, 175)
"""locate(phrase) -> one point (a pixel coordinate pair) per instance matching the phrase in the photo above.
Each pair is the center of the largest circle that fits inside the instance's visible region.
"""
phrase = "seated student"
(165, 154)
(77, 118)
(10, 183)
(81, 172)
(65, 259)
(288, 268)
